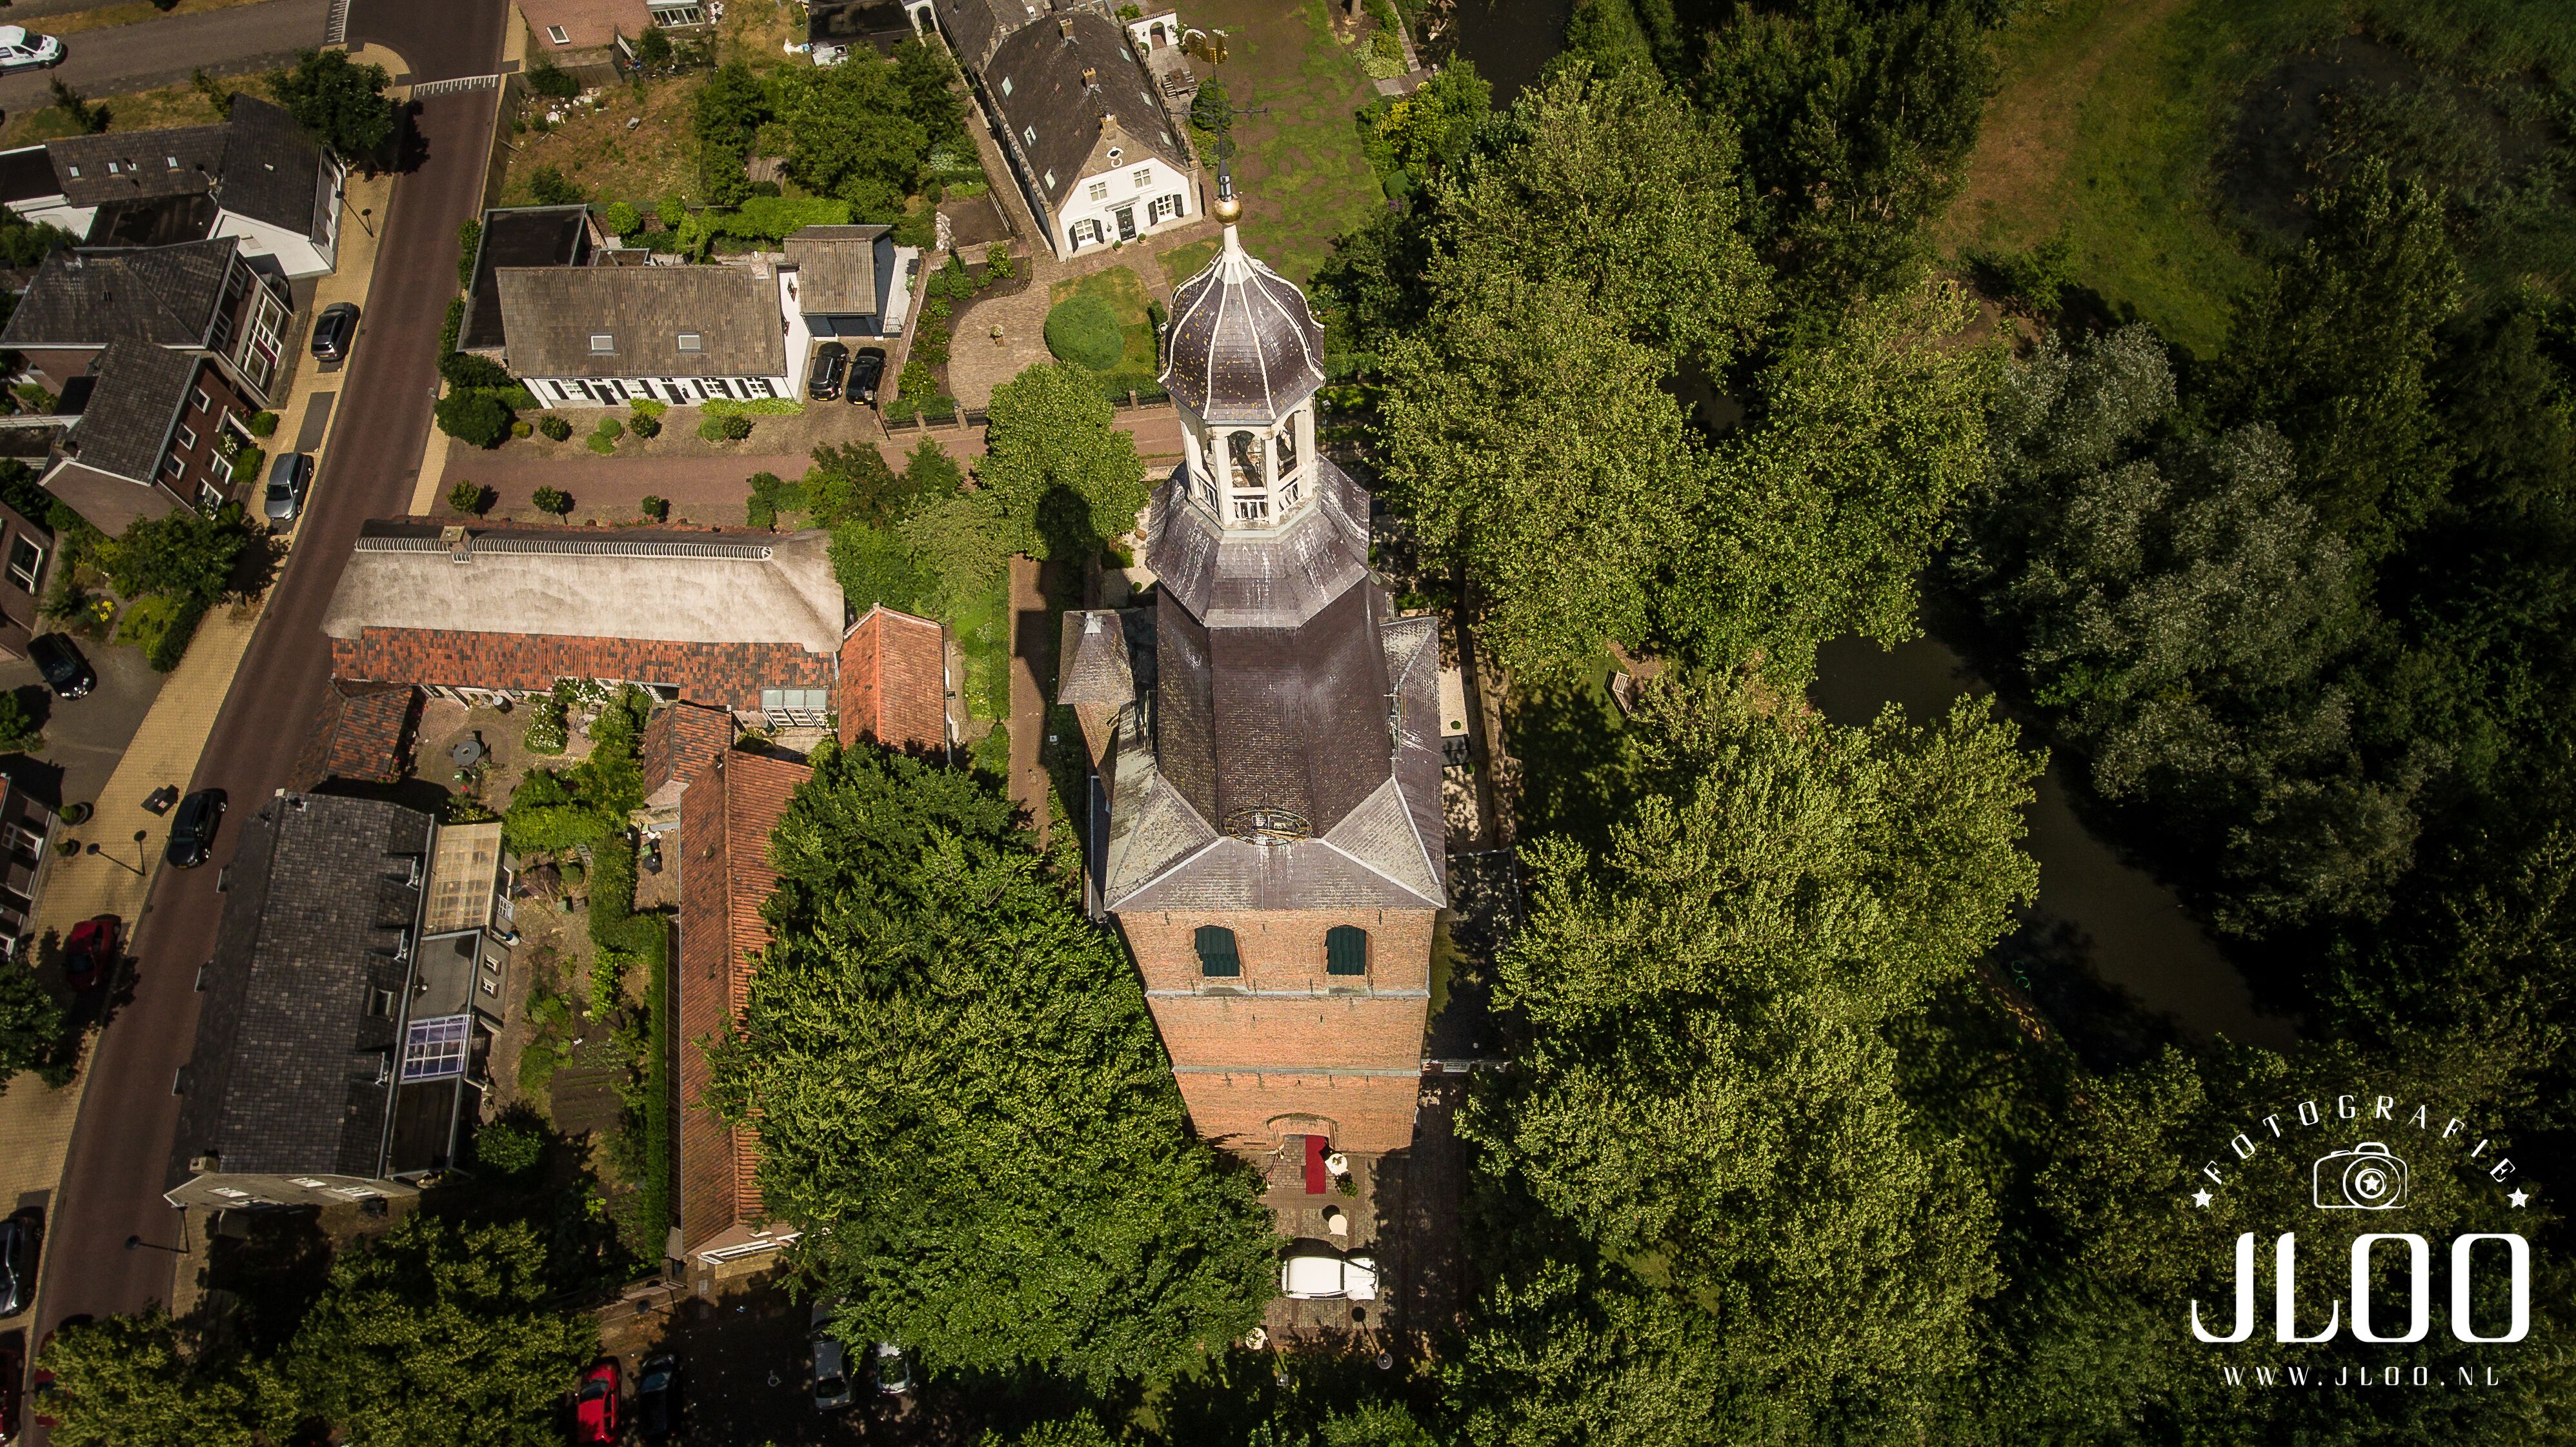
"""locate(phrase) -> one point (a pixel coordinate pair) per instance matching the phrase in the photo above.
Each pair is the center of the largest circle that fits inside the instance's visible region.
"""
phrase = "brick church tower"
(1267, 735)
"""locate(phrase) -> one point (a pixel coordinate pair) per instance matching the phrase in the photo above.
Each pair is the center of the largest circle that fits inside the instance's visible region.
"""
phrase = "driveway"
(164, 51)
(84, 737)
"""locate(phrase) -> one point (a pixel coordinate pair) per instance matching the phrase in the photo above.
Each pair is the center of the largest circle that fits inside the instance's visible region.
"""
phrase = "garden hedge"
(1084, 330)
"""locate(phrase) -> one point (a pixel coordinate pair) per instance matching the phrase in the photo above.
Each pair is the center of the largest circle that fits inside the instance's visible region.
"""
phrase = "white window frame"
(690, 342)
(204, 401)
(25, 578)
(187, 437)
(1099, 191)
(609, 350)
(558, 35)
(1143, 178)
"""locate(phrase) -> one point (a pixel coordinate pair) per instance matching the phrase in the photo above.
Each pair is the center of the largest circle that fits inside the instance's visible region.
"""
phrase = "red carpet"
(1318, 1180)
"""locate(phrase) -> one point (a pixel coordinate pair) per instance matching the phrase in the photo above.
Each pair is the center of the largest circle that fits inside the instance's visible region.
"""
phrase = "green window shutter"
(1346, 950)
(1216, 951)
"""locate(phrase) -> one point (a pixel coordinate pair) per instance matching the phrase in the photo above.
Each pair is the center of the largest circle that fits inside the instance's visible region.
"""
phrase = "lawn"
(1183, 262)
(1302, 175)
(177, 105)
(2114, 117)
(1124, 292)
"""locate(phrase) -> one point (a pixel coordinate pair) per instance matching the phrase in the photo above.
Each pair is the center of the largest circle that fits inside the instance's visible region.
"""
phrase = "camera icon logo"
(2365, 1178)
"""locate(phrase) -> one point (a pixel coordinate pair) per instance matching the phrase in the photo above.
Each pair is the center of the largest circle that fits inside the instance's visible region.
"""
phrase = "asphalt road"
(120, 1152)
(165, 51)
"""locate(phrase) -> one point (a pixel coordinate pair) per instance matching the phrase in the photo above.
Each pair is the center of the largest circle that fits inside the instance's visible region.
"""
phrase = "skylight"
(435, 1049)
(689, 342)
(602, 343)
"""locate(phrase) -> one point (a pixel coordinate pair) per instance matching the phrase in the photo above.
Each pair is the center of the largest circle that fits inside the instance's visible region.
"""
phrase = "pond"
(2096, 911)
(1509, 40)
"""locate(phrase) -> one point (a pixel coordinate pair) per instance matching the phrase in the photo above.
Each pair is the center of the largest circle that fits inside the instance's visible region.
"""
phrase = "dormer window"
(690, 342)
(602, 344)
(173, 160)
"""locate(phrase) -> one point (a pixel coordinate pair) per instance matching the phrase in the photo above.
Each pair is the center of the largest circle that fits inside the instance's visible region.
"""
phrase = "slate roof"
(26, 174)
(90, 296)
(518, 236)
(125, 428)
(976, 28)
(1268, 577)
(1243, 344)
(258, 162)
(549, 315)
(362, 731)
(836, 269)
(1092, 662)
(1044, 67)
(643, 583)
(155, 221)
(286, 1075)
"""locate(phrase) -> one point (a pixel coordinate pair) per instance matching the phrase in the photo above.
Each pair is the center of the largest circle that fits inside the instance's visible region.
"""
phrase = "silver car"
(832, 1389)
(289, 478)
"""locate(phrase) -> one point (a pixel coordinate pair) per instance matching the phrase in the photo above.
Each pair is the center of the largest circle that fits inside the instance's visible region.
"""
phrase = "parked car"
(892, 1369)
(59, 659)
(594, 1407)
(90, 954)
(334, 330)
(13, 1383)
(1315, 1272)
(23, 49)
(657, 1398)
(289, 478)
(192, 829)
(865, 372)
(831, 363)
(17, 1263)
(831, 1365)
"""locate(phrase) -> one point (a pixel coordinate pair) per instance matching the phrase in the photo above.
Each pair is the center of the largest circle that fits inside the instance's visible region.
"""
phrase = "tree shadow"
(1574, 775)
(274, 1271)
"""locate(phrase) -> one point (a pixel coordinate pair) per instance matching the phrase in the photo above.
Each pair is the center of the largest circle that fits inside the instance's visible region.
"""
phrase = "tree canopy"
(962, 1103)
(339, 103)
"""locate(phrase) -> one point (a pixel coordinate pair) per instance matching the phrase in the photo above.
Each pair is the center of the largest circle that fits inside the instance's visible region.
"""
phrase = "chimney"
(1090, 78)
(1109, 125)
(1064, 26)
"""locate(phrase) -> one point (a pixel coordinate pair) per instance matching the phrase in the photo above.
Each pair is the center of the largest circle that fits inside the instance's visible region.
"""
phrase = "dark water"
(1509, 40)
(2095, 911)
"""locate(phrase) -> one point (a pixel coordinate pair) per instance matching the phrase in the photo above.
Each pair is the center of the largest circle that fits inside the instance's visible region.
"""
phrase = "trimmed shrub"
(263, 425)
(610, 428)
(509, 1149)
(655, 509)
(552, 500)
(545, 733)
(521, 429)
(469, 239)
(735, 428)
(554, 426)
(1083, 329)
(464, 369)
(645, 424)
(476, 419)
(621, 218)
(650, 407)
(469, 497)
(763, 407)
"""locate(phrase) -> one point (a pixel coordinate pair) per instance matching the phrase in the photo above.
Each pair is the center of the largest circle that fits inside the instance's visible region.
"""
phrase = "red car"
(594, 1408)
(91, 952)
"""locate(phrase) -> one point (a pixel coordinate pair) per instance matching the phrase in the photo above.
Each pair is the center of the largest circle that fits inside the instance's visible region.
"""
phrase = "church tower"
(1267, 735)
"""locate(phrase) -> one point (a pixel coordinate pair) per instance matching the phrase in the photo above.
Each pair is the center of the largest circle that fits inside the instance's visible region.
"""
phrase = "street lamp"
(139, 836)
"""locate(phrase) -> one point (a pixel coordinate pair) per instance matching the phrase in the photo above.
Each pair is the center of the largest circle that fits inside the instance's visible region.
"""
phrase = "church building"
(1267, 736)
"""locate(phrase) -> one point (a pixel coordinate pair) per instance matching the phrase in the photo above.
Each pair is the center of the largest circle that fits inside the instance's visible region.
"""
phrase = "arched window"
(1288, 448)
(1216, 951)
(1346, 950)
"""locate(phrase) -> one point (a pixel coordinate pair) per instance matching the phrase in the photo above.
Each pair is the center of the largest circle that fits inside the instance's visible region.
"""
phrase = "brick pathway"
(976, 365)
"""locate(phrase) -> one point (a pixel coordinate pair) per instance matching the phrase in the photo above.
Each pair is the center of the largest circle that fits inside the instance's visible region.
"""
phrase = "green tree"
(1062, 478)
(962, 1102)
(1210, 109)
(726, 113)
(437, 1333)
(1711, 1204)
(2335, 352)
(123, 1381)
(182, 554)
(928, 76)
(475, 418)
(22, 728)
(339, 104)
(854, 137)
(31, 1025)
(26, 246)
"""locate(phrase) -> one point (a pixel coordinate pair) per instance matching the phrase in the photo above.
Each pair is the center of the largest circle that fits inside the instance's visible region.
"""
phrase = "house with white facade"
(607, 336)
(1089, 146)
(255, 178)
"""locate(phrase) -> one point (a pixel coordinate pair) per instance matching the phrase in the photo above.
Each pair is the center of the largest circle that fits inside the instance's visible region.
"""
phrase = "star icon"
(2518, 1196)
(2201, 1198)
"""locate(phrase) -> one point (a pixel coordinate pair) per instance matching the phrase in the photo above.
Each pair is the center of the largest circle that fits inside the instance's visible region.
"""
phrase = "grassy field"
(1124, 292)
(177, 105)
(2115, 119)
(1299, 167)
(1183, 262)
(608, 160)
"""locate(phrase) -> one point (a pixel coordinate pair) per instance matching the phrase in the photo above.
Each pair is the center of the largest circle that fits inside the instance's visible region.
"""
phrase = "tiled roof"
(725, 876)
(631, 583)
(836, 269)
(679, 744)
(258, 161)
(549, 316)
(1262, 577)
(289, 1071)
(1091, 663)
(90, 296)
(126, 427)
(1044, 66)
(362, 731)
(894, 681)
(1243, 346)
(518, 236)
(722, 675)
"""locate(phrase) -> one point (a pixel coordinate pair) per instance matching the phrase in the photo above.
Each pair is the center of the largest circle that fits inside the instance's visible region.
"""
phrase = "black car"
(17, 1263)
(192, 829)
(657, 1399)
(865, 373)
(334, 330)
(59, 660)
(831, 361)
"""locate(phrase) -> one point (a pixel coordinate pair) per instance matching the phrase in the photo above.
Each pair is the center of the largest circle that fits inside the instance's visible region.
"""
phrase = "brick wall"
(723, 675)
(1246, 1059)
(192, 438)
(894, 681)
